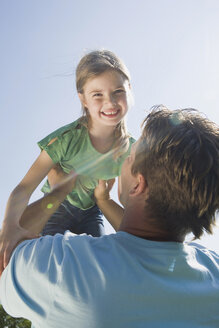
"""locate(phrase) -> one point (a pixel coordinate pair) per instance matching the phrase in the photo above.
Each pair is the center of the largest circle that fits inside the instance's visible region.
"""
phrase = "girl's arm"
(11, 232)
(112, 211)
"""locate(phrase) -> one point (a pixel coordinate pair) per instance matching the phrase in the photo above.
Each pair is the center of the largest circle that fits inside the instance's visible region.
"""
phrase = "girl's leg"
(91, 222)
(69, 217)
(60, 221)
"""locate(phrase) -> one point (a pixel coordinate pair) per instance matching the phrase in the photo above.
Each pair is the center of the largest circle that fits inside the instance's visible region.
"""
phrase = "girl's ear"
(82, 99)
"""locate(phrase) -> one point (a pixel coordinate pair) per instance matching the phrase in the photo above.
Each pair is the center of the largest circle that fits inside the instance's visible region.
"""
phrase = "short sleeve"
(54, 150)
(63, 136)
(27, 283)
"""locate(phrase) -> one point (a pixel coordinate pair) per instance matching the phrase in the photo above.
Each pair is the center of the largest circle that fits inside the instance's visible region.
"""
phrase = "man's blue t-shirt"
(116, 280)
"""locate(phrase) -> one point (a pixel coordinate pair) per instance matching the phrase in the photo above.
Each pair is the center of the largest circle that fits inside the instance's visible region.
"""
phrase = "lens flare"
(88, 165)
(176, 118)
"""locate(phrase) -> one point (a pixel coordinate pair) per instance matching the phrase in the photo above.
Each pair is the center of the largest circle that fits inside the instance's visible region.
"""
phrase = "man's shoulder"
(206, 254)
(203, 248)
(85, 240)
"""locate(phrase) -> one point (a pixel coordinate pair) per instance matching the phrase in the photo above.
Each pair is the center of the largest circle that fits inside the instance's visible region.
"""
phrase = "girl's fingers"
(102, 184)
(111, 183)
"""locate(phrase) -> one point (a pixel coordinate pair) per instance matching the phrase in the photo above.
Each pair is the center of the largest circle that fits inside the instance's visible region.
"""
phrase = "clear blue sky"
(170, 47)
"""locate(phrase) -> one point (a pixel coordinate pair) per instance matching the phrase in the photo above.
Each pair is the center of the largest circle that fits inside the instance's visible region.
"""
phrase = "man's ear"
(140, 186)
(82, 99)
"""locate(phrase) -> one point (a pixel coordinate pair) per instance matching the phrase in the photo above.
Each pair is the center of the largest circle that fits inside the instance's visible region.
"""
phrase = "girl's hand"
(112, 211)
(102, 190)
(10, 237)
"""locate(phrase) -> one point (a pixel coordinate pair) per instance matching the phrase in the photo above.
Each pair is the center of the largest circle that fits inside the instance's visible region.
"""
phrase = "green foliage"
(8, 322)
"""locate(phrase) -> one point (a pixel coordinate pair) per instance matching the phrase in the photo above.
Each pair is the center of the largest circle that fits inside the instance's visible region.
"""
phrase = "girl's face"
(106, 97)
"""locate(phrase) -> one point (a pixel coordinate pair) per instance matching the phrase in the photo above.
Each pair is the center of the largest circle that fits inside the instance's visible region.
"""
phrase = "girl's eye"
(97, 95)
(119, 91)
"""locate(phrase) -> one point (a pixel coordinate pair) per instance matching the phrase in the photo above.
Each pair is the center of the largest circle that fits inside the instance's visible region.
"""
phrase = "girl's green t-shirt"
(73, 150)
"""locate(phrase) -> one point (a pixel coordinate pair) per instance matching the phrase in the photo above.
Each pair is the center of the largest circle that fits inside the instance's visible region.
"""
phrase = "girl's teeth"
(110, 113)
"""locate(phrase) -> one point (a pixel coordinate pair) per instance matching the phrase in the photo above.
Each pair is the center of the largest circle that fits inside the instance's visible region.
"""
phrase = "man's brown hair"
(178, 155)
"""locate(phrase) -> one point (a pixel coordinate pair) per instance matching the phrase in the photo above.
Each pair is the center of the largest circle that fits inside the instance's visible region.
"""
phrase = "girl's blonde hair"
(91, 65)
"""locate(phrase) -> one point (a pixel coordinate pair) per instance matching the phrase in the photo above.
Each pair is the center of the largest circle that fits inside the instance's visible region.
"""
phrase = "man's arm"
(25, 290)
(112, 211)
(37, 214)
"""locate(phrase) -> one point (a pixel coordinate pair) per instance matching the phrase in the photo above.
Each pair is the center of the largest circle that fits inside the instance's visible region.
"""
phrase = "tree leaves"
(8, 322)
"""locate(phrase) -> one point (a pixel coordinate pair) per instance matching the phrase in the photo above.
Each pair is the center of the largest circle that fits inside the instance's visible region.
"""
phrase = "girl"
(94, 147)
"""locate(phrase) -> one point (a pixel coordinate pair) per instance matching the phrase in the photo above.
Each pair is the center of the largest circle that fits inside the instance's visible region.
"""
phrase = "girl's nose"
(111, 100)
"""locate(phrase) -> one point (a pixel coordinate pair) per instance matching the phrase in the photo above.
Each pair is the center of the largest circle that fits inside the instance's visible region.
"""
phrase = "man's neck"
(145, 228)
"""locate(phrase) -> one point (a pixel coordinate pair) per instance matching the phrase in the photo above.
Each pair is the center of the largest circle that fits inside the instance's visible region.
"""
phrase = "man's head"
(177, 156)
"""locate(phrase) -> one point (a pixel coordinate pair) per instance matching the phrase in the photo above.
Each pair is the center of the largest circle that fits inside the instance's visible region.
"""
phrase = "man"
(145, 275)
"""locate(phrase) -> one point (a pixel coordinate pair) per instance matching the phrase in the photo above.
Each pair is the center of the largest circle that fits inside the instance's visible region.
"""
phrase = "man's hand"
(10, 237)
(102, 190)
(58, 178)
